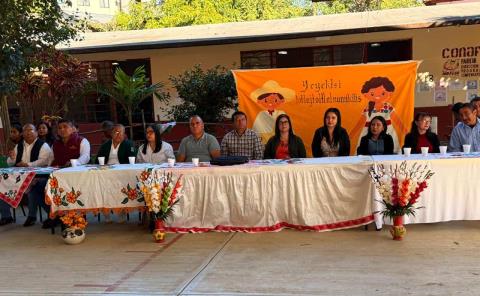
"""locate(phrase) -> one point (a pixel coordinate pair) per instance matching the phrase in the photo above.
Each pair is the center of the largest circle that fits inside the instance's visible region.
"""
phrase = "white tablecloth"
(313, 194)
(319, 194)
(453, 192)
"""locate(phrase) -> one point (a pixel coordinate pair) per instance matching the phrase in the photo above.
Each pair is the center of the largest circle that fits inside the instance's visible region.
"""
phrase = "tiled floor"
(435, 259)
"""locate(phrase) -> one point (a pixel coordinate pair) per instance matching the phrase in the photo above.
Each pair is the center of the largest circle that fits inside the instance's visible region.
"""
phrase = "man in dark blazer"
(118, 149)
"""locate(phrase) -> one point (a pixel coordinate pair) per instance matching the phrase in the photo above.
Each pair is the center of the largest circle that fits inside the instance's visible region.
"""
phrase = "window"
(256, 60)
(94, 107)
(294, 57)
(322, 56)
(104, 3)
(390, 51)
(83, 2)
(348, 54)
(344, 54)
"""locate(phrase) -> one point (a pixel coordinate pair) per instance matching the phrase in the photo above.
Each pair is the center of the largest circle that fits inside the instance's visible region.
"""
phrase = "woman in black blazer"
(331, 139)
(376, 141)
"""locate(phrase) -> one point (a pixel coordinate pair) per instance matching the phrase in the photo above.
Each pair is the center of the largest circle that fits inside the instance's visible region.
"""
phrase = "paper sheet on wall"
(440, 94)
(471, 94)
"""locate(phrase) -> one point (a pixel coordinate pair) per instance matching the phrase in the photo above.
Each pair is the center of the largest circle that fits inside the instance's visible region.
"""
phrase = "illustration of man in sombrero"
(269, 96)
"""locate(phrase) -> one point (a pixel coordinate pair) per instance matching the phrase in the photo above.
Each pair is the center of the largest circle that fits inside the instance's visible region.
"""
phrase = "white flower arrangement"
(160, 191)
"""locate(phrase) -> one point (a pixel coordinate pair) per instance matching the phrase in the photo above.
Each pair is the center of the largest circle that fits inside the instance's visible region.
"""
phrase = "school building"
(446, 38)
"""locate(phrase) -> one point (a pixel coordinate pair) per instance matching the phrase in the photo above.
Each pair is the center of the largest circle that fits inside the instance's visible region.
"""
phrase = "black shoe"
(29, 222)
(5, 221)
(48, 224)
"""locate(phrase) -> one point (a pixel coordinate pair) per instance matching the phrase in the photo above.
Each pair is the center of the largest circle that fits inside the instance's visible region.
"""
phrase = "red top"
(282, 151)
(423, 142)
(63, 152)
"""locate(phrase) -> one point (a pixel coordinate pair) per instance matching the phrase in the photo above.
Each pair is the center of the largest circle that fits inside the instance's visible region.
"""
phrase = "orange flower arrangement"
(74, 220)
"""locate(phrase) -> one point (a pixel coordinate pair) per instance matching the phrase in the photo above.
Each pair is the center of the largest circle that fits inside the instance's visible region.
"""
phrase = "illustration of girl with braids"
(378, 91)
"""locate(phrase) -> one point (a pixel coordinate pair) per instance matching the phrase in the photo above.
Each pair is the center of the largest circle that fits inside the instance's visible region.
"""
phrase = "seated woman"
(421, 136)
(15, 134)
(154, 150)
(284, 144)
(45, 133)
(331, 139)
(376, 141)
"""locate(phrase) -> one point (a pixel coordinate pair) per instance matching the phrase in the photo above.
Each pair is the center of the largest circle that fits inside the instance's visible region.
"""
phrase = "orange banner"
(360, 92)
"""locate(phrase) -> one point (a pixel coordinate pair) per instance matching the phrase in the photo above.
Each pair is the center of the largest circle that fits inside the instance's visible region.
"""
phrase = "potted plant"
(400, 187)
(130, 91)
(161, 191)
(74, 232)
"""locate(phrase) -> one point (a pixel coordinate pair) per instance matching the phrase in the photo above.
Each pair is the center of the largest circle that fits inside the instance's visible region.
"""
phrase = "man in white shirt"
(118, 149)
(31, 152)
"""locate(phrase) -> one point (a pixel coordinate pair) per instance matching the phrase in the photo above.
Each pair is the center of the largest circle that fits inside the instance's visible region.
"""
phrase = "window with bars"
(94, 107)
(256, 60)
(104, 3)
(83, 2)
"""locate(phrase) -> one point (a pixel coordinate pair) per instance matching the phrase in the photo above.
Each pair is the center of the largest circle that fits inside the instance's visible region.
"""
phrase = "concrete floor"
(121, 259)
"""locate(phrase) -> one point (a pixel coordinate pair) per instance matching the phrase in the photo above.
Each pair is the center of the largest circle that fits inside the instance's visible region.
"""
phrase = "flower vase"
(398, 231)
(159, 231)
(73, 236)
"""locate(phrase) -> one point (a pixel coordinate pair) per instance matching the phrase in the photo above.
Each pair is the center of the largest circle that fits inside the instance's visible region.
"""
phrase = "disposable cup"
(195, 161)
(443, 150)
(424, 151)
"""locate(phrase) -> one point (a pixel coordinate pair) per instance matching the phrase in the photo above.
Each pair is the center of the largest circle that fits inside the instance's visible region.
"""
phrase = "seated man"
(467, 131)
(476, 103)
(118, 149)
(107, 127)
(199, 144)
(242, 141)
(70, 145)
(31, 152)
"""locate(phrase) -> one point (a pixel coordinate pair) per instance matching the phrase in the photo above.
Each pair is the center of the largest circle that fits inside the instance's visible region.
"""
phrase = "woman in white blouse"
(154, 150)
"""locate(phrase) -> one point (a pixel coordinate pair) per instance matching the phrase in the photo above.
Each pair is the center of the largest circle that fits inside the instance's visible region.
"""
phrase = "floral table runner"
(15, 181)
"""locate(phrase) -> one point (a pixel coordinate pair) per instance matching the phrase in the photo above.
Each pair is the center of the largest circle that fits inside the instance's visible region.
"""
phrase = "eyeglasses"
(283, 121)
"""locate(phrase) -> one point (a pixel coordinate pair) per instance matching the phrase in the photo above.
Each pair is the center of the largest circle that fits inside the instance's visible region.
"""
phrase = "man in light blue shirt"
(467, 131)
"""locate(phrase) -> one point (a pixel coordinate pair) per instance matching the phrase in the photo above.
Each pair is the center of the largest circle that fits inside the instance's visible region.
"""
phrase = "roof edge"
(454, 21)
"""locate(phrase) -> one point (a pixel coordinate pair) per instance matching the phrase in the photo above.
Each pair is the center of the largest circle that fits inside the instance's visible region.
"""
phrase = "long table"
(306, 194)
